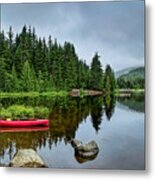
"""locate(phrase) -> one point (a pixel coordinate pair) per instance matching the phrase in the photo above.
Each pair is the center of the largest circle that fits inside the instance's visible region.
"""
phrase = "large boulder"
(27, 158)
(86, 151)
(88, 147)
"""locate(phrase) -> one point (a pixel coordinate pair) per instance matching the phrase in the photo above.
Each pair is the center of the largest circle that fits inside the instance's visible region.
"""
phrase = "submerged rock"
(86, 151)
(88, 147)
(27, 158)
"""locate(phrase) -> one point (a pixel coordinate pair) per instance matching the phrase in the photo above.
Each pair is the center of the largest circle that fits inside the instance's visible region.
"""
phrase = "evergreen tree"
(15, 80)
(96, 74)
(8, 82)
(69, 70)
(51, 85)
(109, 80)
(27, 78)
(10, 47)
(5, 51)
(2, 74)
(82, 75)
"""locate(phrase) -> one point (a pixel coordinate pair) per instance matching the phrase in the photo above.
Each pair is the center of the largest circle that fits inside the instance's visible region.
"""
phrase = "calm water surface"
(117, 125)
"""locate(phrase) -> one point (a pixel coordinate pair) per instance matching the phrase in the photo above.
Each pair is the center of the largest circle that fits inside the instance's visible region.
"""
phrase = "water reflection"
(109, 101)
(81, 160)
(96, 111)
(134, 102)
(66, 114)
(45, 101)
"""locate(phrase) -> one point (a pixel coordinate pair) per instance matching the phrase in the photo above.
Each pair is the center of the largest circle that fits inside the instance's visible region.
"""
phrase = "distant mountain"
(131, 78)
(125, 71)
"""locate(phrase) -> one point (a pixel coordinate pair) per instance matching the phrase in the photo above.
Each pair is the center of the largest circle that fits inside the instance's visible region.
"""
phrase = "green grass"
(33, 94)
(53, 93)
(19, 111)
(83, 93)
(132, 91)
(138, 90)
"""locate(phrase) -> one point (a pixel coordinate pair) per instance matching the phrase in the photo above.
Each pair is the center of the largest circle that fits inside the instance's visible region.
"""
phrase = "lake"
(116, 124)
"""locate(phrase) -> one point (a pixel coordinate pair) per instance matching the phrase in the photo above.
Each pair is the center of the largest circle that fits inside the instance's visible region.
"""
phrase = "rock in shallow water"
(88, 147)
(27, 158)
(87, 151)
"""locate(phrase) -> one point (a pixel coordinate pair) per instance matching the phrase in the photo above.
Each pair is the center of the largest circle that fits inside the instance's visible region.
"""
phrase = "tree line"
(133, 79)
(30, 63)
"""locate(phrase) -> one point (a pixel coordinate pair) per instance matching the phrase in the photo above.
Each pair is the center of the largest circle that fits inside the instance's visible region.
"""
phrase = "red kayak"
(25, 123)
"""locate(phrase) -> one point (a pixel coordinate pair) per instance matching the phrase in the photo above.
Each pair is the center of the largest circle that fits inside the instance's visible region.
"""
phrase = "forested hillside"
(133, 79)
(30, 63)
(124, 71)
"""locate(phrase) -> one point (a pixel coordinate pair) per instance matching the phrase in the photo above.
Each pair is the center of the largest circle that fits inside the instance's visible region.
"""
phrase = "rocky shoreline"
(78, 92)
(29, 158)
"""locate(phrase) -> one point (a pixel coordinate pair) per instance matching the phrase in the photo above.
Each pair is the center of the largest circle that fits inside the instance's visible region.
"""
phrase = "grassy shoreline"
(59, 93)
(33, 94)
(131, 90)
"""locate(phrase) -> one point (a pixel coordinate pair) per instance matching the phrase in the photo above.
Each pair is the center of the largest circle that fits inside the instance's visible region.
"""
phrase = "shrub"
(41, 112)
(5, 114)
(19, 111)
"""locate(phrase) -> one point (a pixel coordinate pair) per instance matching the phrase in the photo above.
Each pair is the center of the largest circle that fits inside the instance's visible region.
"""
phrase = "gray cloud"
(114, 29)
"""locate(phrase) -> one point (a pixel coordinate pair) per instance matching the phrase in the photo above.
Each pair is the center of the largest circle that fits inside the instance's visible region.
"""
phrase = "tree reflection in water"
(65, 116)
(96, 111)
(135, 102)
(109, 102)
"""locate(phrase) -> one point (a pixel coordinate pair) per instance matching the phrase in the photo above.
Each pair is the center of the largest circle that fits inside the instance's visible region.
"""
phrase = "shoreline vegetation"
(14, 112)
(33, 94)
(73, 93)
(20, 110)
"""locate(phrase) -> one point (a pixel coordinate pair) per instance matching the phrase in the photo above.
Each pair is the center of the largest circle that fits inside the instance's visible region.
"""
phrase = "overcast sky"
(113, 29)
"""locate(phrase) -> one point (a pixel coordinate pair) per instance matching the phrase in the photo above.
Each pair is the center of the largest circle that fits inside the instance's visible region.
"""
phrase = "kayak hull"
(27, 123)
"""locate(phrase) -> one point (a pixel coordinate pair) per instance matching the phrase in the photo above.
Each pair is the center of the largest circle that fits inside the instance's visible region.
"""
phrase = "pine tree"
(70, 66)
(96, 74)
(15, 81)
(27, 78)
(2, 74)
(109, 80)
(8, 82)
(11, 48)
(82, 75)
(5, 51)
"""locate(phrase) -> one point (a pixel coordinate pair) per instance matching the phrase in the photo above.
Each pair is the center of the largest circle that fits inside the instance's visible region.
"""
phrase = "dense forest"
(29, 63)
(134, 79)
